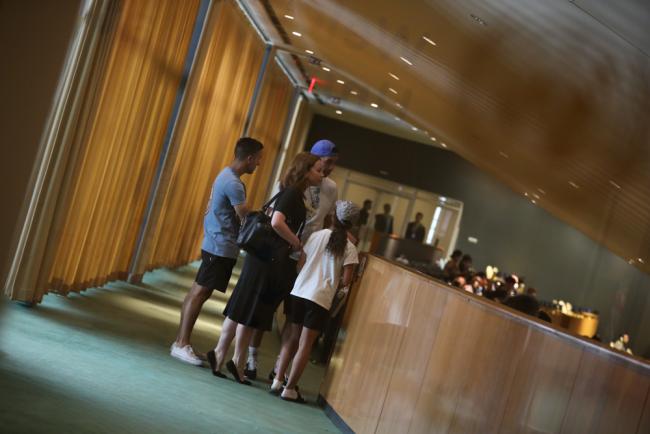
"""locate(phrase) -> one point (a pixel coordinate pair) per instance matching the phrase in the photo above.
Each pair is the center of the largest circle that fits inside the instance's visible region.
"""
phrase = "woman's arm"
(279, 225)
(348, 272)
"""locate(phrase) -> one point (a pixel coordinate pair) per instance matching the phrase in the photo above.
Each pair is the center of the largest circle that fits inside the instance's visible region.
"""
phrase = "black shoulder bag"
(256, 235)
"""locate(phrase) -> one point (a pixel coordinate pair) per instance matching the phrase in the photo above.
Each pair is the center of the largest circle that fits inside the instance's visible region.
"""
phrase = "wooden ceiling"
(551, 97)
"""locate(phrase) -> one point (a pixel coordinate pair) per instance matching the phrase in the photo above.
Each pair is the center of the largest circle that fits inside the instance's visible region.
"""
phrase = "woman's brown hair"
(296, 174)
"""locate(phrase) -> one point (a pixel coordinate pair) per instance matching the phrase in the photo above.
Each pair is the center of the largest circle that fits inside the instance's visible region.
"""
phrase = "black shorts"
(215, 271)
(309, 314)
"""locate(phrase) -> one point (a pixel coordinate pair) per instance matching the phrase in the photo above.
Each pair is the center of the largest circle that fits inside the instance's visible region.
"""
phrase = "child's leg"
(307, 339)
(289, 346)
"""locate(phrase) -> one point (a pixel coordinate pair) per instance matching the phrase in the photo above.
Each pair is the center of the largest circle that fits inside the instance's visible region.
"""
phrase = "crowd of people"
(508, 289)
(311, 265)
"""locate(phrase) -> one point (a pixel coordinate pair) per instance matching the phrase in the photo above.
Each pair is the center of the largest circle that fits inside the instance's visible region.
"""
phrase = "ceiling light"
(429, 41)
(354, 92)
(541, 191)
(398, 105)
(640, 260)
(573, 184)
(503, 154)
(289, 17)
(339, 112)
(397, 118)
(405, 60)
(372, 104)
(443, 144)
(618, 187)
(426, 133)
(392, 90)
(535, 196)
(526, 194)
(393, 75)
(631, 261)
(340, 81)
(309, 52)
(296, 33)
(433, 139)
(326, 69)
(414, 128)
(533, 201)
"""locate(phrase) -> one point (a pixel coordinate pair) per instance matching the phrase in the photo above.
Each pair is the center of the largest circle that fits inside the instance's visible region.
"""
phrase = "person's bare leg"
(242, 339)
(307, 338)
(228, 330)
(190, 312)
(290, 339)
(284, 336)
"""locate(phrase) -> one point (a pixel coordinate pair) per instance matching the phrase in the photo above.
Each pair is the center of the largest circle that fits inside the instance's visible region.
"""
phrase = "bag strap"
(273, 199)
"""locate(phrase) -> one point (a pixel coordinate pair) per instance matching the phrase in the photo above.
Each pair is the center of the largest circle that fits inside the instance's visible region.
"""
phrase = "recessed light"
(503, 154)
(289, 17)
(536, 196)
(392, 90)
(618, 187)
(397, 118)
(339, 112)
(631, 261)
(373, 105)
(296, 33)
(526, 194)
(573, 184)
(533, 201)
(405, 60)
(309, 52)
(541, 191)
(414, 128)
(640, 260)
(326, 69)
(426, 133)
(433, 139)
(443, 144)
(398, 105)
(393, 75)
(354, 92)
(340, 81)
(429, 41)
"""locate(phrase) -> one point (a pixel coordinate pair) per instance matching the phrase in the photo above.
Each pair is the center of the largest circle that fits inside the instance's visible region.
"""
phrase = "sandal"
(230, 366)
(298, 399)
(212, 360)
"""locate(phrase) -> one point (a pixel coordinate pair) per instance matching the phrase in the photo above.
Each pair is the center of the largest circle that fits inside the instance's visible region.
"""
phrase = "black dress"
(263, 285)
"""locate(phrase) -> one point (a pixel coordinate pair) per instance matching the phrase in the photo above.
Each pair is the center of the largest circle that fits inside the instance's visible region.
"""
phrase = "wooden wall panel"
(375, 335)
(417, 356)
(607, 398)
(413, 359)
(471, 367)
(542, 385)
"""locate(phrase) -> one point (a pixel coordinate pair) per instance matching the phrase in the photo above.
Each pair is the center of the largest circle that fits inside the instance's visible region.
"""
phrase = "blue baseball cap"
(324, 148)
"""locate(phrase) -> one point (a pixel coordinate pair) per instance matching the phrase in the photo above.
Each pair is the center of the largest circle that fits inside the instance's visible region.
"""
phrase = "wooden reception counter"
(417, 356)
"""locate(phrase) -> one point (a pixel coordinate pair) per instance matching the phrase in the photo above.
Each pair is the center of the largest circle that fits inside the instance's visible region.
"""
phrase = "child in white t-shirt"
(326, 266)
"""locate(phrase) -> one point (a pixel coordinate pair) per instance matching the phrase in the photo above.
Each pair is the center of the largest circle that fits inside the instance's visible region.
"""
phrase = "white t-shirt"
(319, 278)
(321, 201)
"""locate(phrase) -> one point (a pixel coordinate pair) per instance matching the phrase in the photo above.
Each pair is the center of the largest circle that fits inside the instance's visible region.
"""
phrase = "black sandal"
(298, 399)
(212, 360)
(230, 366)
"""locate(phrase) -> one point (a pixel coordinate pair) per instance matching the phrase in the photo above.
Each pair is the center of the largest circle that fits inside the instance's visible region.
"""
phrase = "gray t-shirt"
(221, 223)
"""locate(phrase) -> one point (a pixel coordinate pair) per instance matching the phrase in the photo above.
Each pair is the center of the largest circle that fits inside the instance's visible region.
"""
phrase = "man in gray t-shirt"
(219, 250)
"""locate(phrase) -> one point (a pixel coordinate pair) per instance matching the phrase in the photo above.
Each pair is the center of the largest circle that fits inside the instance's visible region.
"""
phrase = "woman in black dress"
(263, 285)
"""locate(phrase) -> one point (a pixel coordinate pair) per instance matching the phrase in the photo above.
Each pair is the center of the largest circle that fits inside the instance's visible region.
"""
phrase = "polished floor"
(98, 362)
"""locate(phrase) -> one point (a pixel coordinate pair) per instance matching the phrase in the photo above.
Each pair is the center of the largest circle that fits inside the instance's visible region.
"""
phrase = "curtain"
(212, 120)
(269, 128)
(104, 169)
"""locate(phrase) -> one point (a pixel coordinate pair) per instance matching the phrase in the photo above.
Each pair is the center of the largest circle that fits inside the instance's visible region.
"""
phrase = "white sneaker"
(185, 354)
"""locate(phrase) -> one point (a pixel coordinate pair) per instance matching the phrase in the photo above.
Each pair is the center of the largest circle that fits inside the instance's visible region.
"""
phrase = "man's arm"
(242, 210)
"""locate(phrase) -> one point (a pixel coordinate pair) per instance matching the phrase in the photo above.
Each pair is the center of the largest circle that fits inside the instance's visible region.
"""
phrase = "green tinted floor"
(99, 362)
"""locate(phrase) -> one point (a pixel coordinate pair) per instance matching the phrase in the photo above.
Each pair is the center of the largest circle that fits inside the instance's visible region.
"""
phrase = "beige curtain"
(105, 166)
(268, 127)
(212, 120)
